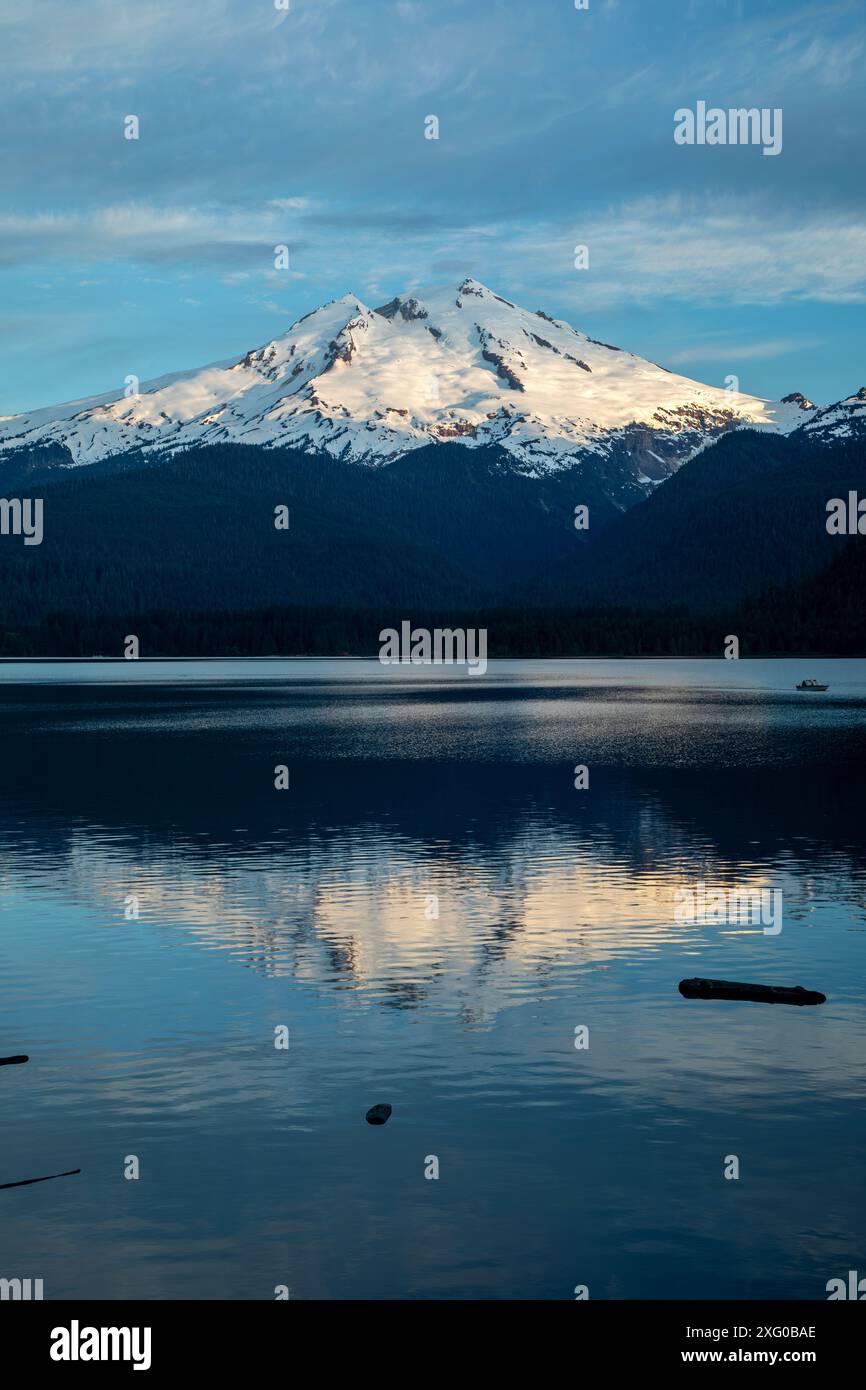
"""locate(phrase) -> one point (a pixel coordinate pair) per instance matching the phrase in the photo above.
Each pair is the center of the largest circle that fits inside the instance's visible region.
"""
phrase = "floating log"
(14, 1061)
(27, 1182)
(760, 994)
(378, 1114)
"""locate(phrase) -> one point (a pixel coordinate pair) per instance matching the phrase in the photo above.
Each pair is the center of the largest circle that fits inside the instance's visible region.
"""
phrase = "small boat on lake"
(812, 684)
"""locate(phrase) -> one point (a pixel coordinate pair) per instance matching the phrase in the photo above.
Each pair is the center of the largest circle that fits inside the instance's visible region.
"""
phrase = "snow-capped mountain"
(460, 363)
(846, 420)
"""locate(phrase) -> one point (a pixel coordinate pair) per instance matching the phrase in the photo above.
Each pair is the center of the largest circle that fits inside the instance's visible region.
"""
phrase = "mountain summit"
(457, 363)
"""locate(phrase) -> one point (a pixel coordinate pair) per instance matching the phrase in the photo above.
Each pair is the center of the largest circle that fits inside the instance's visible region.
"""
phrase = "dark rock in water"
(13, 1061)
(759, 994)
(378, 1114)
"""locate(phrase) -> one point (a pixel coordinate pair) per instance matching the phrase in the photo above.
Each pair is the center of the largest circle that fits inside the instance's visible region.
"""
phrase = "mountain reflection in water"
(432, 909)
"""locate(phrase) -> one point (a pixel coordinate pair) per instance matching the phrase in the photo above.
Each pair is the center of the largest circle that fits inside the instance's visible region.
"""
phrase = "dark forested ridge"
(748, 513)
(442, 525)
(185, 554)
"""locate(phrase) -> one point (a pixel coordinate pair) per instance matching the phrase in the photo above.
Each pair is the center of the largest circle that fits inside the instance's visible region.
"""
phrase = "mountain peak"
(332, 308)
(470, 286)
(451, 362)
(407, 306)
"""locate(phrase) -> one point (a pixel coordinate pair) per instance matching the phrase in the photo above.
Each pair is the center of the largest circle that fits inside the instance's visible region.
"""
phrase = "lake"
(431, 915)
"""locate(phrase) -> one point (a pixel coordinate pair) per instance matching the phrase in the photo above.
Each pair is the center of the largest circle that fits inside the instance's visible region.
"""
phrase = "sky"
(305, 126)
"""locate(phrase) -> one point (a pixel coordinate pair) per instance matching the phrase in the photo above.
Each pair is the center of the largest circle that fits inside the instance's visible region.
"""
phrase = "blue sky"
(261, 126)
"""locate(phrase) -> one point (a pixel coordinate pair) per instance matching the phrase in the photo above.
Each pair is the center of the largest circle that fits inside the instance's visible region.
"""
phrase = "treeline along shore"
(823, 618)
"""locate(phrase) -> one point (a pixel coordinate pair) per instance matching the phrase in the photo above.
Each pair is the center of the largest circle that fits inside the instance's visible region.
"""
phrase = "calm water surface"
(312, 908)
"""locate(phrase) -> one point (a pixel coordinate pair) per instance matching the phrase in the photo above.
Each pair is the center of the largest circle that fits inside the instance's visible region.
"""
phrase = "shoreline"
(373, 656)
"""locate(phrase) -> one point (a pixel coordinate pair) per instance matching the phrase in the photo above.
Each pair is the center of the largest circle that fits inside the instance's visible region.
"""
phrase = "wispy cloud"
(306, 128)
(698, 250)
(738, 351)
(705, 251)
(147, 233)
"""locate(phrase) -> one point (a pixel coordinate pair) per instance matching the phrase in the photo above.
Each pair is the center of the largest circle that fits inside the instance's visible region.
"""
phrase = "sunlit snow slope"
(458, 363)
